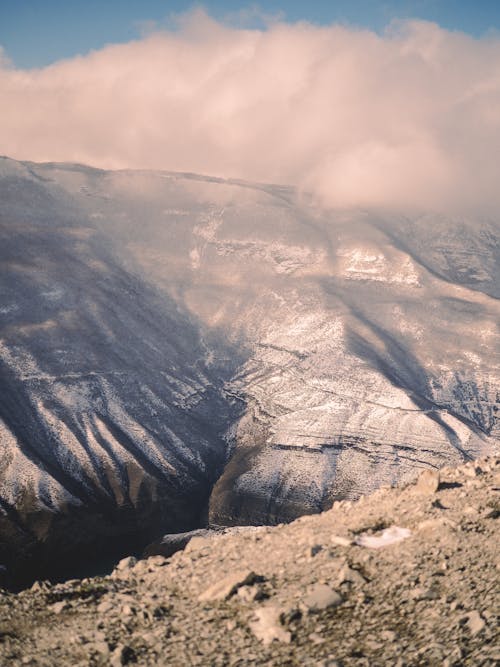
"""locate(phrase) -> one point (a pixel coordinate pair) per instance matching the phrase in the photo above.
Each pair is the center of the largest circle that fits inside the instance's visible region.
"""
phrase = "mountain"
(177, 350)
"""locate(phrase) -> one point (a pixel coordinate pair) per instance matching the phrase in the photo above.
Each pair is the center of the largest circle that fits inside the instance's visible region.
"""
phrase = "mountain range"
(179, 351)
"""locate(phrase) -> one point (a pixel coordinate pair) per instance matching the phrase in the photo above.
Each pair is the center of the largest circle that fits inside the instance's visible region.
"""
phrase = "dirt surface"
(402, 577)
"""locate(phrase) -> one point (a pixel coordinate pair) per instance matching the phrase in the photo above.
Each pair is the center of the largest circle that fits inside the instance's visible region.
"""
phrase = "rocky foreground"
(405, 576)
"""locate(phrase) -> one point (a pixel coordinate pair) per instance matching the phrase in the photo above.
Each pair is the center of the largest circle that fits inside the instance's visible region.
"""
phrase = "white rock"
(105, 606)
(120, 656)
(474, 622)
(100, 647)
(59, 607)
(197, 543)
(249, 593)
(320, 597)
(128, 610)
(267, 627)
(388, 536)
(226, 587)
(126, 564)
(428, 482)
(156, 561)
(351, 576)
(341, 541)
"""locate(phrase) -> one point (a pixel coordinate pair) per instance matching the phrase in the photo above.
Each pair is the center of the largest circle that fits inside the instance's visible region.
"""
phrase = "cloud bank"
(407, 119)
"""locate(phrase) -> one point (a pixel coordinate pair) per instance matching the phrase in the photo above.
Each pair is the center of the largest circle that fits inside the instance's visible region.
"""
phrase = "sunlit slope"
(338, 351)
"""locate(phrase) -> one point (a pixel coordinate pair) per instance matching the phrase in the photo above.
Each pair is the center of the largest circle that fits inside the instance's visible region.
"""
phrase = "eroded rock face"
(164, 332)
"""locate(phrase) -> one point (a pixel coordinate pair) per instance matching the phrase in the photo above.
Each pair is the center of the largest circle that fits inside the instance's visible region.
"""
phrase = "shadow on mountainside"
(112, 418)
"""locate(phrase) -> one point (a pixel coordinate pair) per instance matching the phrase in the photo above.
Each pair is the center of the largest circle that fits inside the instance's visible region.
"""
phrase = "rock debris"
(271, 596)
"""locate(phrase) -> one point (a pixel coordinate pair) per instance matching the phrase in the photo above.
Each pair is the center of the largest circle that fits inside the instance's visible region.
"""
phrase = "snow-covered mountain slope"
(160, 331)
(111, 420)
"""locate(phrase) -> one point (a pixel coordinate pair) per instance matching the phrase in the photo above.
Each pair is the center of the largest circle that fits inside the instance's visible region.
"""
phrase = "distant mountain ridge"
(178, 349)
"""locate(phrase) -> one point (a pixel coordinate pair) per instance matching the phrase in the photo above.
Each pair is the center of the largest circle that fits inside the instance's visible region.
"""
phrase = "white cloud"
(5, 61)
(410, 118)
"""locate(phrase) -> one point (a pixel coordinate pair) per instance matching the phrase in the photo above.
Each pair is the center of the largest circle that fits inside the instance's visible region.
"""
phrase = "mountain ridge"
(216, 342)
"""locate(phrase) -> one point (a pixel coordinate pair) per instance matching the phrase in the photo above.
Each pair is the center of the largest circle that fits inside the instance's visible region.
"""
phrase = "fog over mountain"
(409, 118)
(178, 349)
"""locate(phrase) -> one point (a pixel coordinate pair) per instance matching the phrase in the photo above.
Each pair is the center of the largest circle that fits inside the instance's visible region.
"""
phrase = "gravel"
(308, 593)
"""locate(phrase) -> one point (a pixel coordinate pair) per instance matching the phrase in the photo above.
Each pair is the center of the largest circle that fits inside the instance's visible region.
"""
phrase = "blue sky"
(35, 33)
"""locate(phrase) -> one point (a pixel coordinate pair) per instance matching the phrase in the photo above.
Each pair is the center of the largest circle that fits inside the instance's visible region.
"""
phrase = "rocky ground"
(405, 576)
